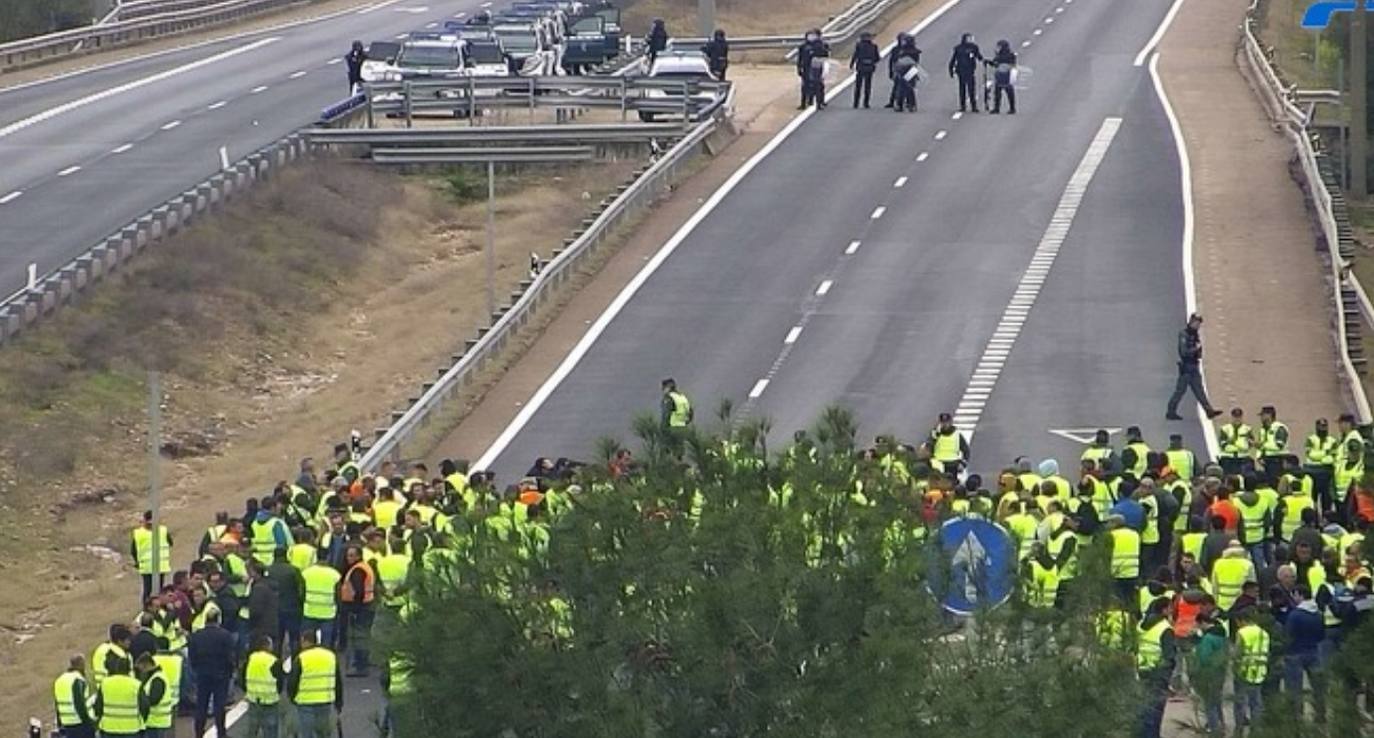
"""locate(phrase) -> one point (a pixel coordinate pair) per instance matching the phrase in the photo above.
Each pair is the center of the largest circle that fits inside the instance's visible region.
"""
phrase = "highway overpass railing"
(150, 19)
(1328, 203)
(538, 293)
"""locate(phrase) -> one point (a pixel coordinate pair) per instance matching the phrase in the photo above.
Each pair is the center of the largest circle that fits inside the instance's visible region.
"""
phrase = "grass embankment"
(310, 306)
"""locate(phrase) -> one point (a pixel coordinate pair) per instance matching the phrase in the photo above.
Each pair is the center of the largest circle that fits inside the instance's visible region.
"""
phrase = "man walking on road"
(212, 651)
(676, 409)
(964, 63)
(1190, 370)
(354, 61)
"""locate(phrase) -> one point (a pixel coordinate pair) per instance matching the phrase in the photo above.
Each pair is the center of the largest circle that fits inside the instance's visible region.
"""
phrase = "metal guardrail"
(1327, 203)
(86, 39)
(536, 294)
(136, 9)
(839, 29)
(482, 135)
(473, 154)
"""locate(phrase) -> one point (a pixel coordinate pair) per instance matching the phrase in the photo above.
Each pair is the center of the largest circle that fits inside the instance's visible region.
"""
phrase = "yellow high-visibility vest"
(1252, 642)
(67, 715)
(321, 584)
(319, 667)
(119, 713)
(261, 687)
(143, 545)
(1125, 553)
(1150, 647)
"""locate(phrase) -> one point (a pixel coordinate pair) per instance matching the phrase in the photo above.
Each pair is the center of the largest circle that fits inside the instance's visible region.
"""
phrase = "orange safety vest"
(346, 593)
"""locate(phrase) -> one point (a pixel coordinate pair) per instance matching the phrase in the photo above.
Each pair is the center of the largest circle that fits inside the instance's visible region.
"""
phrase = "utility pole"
(1359, 103)
(154, 471)
(491, 240)
(706, 18)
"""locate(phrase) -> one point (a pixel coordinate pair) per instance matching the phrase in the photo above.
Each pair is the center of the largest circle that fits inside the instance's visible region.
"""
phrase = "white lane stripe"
(997, 351)
(599, 326)
(170, 125)
(1049, 21)
(11, 197)
(1185, 169)
(73, 169)
(1159, 34)
(900, 183)
(1036, 32)
(923, 156)
(956, 115)
(431, 25)
(878, 212)
(460, 14)
(792, 334)
(121, 149)
(297, 74)
(1024, 44)
(257, 89)
(825, 287)
(1058, 10)
(939, 135)
(334, 61)
(51, 113)
(217, 105)
(852, 248)
(758, 389)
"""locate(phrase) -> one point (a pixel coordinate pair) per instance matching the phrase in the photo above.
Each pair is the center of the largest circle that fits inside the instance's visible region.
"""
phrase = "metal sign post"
(491, 239)
(154, 476)
(706, 18)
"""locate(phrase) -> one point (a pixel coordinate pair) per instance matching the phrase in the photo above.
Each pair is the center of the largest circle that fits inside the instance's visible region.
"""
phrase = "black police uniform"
(864, 62)
(964, 64)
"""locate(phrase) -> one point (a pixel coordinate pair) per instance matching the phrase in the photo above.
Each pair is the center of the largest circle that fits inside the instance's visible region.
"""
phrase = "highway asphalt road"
(82, 155)
(948, 214)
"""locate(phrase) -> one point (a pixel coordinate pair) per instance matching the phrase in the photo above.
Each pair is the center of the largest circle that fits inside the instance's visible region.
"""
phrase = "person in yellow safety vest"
(394, 570)
(675, 409)
(158, 696)
(1229, 575)
(1041, 578)
(72, 700)
(302, 553)
(395, 686)
(1049, 472)
(269, 531)
(1349, 470)
(143, 550)
(386, 510)
(1251, 659)
(1153, 590)
(1182, 492)
(315, 685)
(1030, 481)
(321, 607)
(1023, 527)
(1113, 626)
(262, 680)
(213, 533)
(344, 465)
(1294, 500)
(1237, 442)
(1271, 441)
(1181, 460)
(1135, 455)
(173, 665)
(1152, 553)
(1154, 663)
(948, 446)
(1320, 452)
(1063, 545)
(1125, 557)
(1099, 452)
(120, 707)
(1188, 546)
(112, 654)
(1256, 520)
(1101, 492)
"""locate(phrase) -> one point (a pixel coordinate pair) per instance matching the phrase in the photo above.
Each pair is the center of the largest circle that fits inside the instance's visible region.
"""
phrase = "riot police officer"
(964, 64)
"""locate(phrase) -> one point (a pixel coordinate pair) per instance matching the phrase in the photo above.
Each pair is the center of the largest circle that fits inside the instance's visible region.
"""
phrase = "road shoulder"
(1259, 278)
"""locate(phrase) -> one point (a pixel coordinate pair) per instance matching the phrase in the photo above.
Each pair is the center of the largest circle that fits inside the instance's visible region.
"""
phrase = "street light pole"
(706, 17)
(154, 471)
(1359, 103)
(491, 239)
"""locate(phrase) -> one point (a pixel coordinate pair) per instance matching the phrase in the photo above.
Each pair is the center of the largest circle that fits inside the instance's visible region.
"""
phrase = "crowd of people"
(1255, 561)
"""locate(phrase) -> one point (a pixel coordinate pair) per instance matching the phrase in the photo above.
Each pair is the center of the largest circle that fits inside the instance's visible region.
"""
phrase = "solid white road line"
(900, 183)
(11, 197)
(121, 149)
(1185, 169)
(170, 125)
(878, 212)
(758, 389)
(1159, 34)
(998, 349)
(257, 89)
(73, 169)
(792, 334)
(825, 286)
(599, 326)
(852, 248)
(105, 94)
(216, 105)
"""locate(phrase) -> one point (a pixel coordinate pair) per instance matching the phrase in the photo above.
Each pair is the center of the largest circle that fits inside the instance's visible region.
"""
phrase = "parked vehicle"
(381, 59)
(529, 48)
(431, 58)
(689, 66)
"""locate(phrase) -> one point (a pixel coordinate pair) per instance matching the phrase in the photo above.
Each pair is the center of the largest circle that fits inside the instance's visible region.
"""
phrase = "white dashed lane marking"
(900, 183)
(333, 61)
(999, 347)
(257, 89)
(923, 156)
(792, 334)
(1024, 44)
(825, 287)
(121, 149)
(297, 75)
(170, 125)
(217, 106)
(878, 212)
(940, 135)
(73, 169)
(758, 389)
(956, 116)
(1037, 32)
(852, 248)
(11, 197)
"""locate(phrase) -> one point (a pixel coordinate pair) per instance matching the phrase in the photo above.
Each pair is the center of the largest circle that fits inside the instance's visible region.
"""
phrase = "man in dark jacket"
(717, 52)
(864, 62)
(811, 56)
(262, 606)
(1003, 64)
(964, 64)
(1190, 370)
(1304, 630)
(286, 581)
(354, 61)
(213, 654)
(657, 40)
(902, 66)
